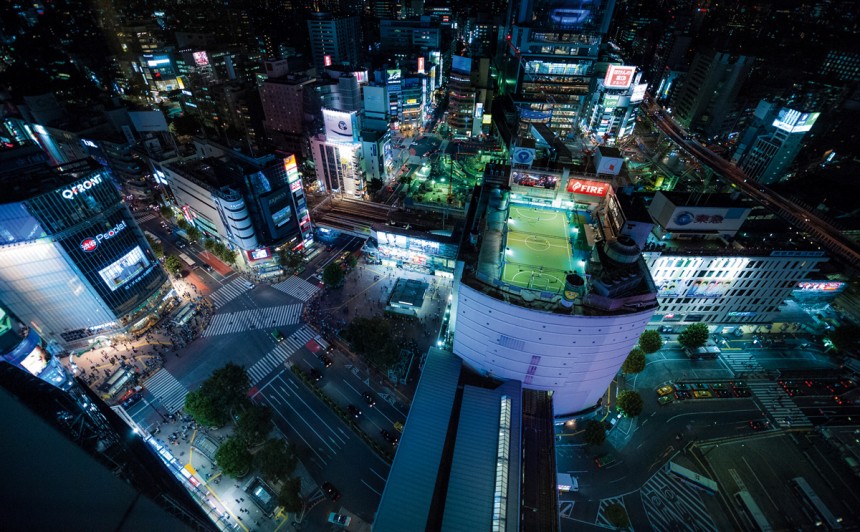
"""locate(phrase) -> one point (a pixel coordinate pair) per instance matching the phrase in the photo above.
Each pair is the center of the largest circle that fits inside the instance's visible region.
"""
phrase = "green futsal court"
(537, 254)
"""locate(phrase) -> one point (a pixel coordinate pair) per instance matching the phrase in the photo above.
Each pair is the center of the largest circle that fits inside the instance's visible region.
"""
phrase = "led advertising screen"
(420, 65)
(568, 14)
(638, 93)
(461, 64)
(531, 179)
(709, 289)
(589, 188)
(125, 269)
(619, 77)
(794, 121)
(260, 254)
(200, 58)
(821, 286)
(338, 125)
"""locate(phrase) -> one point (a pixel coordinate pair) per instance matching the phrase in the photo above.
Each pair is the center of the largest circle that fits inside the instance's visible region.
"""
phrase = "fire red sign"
(89, 244)
(619, 77)
(590, 188)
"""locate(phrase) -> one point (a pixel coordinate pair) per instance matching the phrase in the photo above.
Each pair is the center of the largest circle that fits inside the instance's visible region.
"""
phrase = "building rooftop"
(37, 179)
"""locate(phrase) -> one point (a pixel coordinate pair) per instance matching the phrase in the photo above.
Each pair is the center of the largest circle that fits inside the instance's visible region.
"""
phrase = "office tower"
(461, 97)
(403, 37)
(548, 58)
(554, 298)
(611, 112)
(284, 100)
(767, 149)
(708, 93)
(335, 40)
(75, 264)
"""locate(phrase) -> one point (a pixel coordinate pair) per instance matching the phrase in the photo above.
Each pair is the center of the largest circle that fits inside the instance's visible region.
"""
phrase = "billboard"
(794, 121)
(327, 60)
(709, 289)
(831, 287)
(393, 75)
(685, 218)
(339, 125)
(259, 254)
(589, 188)
(461, 64)
(124, 269)
(619, 77)
(148, 121)
(523, 156)
(638, 93)
(530, 179)
(420, 65)
(200, 58)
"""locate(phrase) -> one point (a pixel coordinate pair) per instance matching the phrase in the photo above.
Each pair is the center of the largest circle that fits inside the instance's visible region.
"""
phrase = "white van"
(248, 284)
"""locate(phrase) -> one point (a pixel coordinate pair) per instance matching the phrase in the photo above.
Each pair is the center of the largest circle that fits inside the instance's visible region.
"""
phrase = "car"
(131, 400)
(330, 491)
(604, 460)
(756, 424)
(369, 399)
(339, 519)
(398, 426)
(666, 329)
(353, 411)
(248, 284)
(326, 361)
(277, 336)
(389, 437)
(702, 394)
(664, 390)
(314, 375)
(665, 399)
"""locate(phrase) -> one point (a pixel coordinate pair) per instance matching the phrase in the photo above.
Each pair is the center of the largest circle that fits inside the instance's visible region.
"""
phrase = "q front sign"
(78, 188)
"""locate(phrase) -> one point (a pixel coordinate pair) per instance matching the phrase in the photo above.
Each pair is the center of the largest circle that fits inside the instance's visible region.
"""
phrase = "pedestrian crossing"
(782, 408)
(741, 362)
(229, 292)
(674, 505)
(261, 318)
(145, 217)
(602, 520)
(297, 287)
(169, 391)
(280, 354)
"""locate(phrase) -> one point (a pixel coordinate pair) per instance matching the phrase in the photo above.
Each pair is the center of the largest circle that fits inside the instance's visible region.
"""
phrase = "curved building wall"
(574, 356)
(237, 222)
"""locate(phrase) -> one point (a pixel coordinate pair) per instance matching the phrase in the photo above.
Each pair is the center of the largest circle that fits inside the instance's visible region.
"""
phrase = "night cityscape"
(428, 265)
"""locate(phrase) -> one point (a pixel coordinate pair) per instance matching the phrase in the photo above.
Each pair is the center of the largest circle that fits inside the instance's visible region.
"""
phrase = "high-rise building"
(338, 166)
(73, 262)
(335, 40)
(553, 297)
(548, 58)
(767, 149)
(707, 96)
(613, 107)
(285, 100)
(461, 97)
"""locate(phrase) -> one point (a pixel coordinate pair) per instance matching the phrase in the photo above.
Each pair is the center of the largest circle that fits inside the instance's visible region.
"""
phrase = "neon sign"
(87, 184)
(90, 244)
(590, 188)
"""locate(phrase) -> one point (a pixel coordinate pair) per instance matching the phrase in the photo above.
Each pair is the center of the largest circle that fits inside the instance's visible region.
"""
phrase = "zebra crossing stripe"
(145, 218)
(169, 391)
(668, 502)
(279, 354)
(228, 292)
(772, 397)
(297, 288)
(262, 318)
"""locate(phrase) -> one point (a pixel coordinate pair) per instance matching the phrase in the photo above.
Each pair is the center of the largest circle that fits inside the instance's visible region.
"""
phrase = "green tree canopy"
(173, 264)
(351, 261)
(156, 245)
(695, 335)
(208, 244)
(332, 275)
(276, 460)
(194, 234)
(219, 395)
(845, 337)
(650, 342)
(595, 433)
(183, 224)
(372, 338)
(635, 362)
(630, 403)
(233, 457)
(254, 424)
(290, 498)
(617, 515)
(290, 259)
(166, 212)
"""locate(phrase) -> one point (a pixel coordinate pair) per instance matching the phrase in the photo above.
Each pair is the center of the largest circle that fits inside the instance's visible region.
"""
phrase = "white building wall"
(40, 285)
(574, 356)
(237, 221)
(751, 289)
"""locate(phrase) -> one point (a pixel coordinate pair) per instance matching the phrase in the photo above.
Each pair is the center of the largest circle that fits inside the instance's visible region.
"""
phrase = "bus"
(152, 236)
(813, 506)
(754, 516)
(187, 260)
(692, 478)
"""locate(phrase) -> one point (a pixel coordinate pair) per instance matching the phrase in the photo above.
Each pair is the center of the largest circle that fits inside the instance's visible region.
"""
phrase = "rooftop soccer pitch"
(538, 250)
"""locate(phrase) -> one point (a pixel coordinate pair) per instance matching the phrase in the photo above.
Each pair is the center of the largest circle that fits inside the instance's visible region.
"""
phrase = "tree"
(209, 244)
(194, 234)
(374, 185)
(617, 515)
(845, 337)
(183, 224)
(595, 432)
(166, 212)
(650, 342)
(254, 424)
(276, 460)
(630, 403)
(635, 362)
(694, 336)
(290, 497)
(233, 457)
(173, 264)
(290, 259)
(156, 245)
(332, 275)
(204, 410)
(351, 261)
